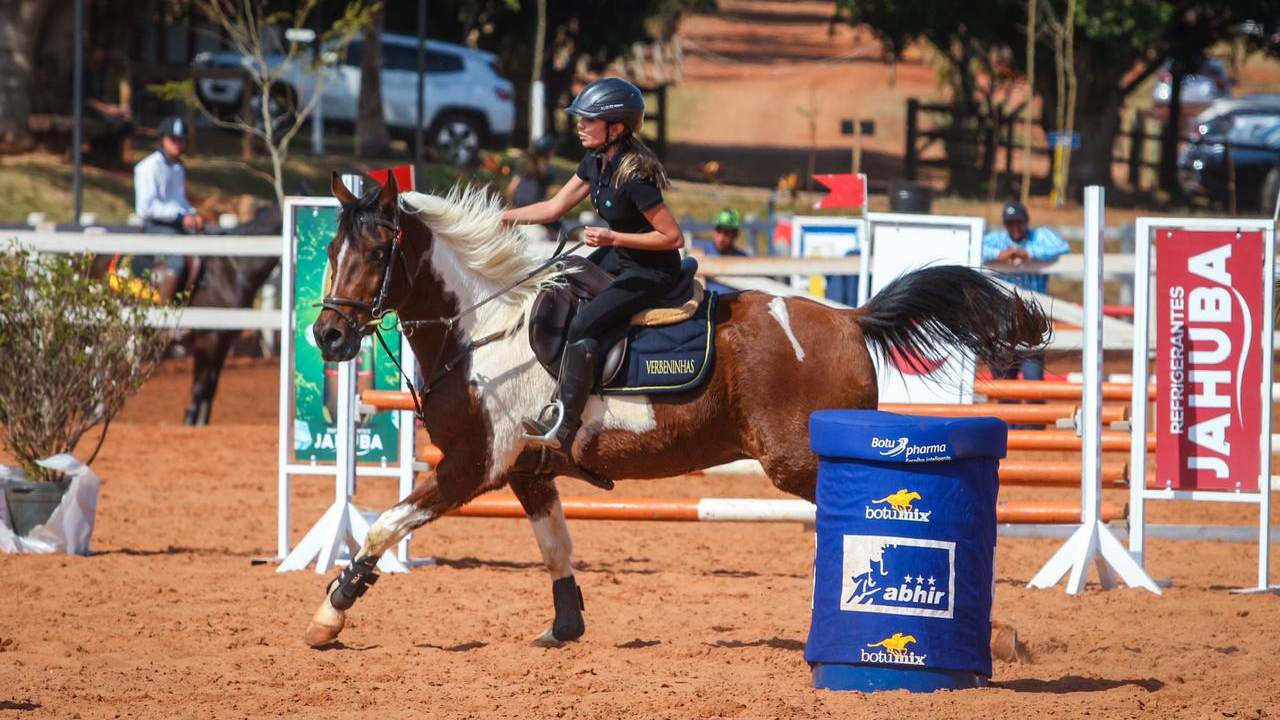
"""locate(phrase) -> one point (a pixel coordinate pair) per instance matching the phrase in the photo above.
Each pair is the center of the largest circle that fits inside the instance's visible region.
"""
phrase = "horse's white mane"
(469, 219)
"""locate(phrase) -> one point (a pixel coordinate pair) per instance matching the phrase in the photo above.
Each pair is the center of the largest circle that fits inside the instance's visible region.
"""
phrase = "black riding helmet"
(612, 100)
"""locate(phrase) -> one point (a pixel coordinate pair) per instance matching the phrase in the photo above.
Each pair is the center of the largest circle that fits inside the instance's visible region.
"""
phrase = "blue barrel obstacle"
(906, 524)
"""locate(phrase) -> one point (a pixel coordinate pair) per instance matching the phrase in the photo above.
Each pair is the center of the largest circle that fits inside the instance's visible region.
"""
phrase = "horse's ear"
(390, 192)
(340, 191)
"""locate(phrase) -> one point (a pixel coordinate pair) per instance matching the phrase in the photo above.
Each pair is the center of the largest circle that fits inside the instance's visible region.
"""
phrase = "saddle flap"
(584, 277)
(549, 321)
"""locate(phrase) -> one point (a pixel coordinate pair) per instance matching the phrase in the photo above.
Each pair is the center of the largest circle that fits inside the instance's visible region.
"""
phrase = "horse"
(222, 282)
(453, 273)
(225, 282)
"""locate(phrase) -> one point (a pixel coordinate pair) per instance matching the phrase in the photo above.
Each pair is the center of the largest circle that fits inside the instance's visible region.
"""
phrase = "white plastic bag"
(71, 525)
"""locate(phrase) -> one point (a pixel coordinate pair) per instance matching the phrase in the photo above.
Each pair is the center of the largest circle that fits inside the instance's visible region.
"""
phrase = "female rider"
(640, 246)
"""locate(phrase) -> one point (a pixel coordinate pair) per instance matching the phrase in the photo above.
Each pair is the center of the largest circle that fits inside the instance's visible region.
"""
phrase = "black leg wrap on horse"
(569, 624)
(353, 582)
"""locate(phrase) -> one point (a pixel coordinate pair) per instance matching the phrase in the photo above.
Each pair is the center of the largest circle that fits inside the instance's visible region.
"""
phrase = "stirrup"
(547, 439)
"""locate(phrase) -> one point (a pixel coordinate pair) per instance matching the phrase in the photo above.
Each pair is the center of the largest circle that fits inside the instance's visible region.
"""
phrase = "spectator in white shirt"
(160, 199)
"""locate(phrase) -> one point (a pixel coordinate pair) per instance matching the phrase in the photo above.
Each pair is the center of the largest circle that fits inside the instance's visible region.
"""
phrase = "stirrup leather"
(542, 431)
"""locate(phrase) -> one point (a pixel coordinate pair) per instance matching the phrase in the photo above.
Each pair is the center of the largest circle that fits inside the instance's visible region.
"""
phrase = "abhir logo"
(893, 651)
(901, 448)
(898, 576)
(899, 508)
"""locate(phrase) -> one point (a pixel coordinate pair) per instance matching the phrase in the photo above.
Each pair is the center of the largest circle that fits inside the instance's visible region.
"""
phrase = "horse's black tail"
(917, 316)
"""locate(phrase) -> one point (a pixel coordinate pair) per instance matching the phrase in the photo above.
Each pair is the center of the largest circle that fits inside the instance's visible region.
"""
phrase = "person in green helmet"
(724, 235)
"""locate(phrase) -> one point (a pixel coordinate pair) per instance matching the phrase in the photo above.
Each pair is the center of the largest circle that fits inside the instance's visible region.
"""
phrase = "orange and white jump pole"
(499, 505)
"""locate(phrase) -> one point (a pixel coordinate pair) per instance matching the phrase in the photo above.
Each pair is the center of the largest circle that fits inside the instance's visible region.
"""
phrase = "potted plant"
(72, 350)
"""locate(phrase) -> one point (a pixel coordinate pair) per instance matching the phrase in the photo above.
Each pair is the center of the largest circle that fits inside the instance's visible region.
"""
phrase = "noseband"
(378, 308)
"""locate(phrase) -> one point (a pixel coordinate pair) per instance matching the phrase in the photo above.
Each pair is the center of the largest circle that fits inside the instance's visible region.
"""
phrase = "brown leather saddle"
(556, 305)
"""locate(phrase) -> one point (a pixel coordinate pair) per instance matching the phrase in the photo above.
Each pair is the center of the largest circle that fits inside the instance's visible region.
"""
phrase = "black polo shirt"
(623, 207)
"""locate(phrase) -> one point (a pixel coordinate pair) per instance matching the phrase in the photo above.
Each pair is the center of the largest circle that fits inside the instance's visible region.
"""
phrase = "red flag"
(847, 190)
(404, 176)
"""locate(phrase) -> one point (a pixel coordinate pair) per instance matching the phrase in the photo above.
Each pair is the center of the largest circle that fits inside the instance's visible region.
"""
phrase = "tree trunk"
(1097, 119)
(372, 138)
(964, 130)
(1091, 164)
(1170, 134)
(19, 26)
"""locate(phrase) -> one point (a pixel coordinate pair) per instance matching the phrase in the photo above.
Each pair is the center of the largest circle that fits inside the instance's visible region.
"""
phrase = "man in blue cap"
(1030, 250)
(160, 199)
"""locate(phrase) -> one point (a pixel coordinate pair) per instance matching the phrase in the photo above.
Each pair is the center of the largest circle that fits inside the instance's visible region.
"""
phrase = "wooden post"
(857, 146)
(662, 122)
(911, 159)
(1137, 148)
(1008, 141)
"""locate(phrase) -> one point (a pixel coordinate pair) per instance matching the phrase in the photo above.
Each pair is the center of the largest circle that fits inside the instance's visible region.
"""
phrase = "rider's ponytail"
(638, 161)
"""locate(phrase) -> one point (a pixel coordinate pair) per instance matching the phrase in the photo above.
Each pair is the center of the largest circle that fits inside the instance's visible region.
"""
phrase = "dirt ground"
(170, 618)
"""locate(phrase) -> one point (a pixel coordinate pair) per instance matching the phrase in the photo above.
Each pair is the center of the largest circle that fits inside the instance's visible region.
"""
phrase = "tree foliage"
(72, 350)
(578, 31)
(248, 28)
(1117, 45)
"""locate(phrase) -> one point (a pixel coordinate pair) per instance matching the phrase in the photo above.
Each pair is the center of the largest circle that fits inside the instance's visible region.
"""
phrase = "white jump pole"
(342, 527)
(1092, 541)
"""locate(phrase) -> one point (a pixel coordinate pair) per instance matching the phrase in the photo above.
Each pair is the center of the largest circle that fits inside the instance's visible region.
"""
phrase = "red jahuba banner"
(1209, 305)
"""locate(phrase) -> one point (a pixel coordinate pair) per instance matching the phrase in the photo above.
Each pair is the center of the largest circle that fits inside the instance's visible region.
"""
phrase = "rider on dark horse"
(640, 246)
(160, 199)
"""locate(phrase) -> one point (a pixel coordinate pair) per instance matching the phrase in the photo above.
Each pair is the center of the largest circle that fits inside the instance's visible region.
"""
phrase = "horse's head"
(370, 275)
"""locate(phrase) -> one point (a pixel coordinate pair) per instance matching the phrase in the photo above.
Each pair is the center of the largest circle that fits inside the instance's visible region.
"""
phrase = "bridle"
(377, 309)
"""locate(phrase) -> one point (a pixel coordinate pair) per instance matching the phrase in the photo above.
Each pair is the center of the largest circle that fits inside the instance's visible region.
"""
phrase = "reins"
(376, 309)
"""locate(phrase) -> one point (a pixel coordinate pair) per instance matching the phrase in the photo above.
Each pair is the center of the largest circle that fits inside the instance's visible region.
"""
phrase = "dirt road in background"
(764, 80)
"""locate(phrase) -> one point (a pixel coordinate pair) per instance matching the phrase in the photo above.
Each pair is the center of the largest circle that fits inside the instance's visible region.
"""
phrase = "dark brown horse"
(777, 359)
(223, 282)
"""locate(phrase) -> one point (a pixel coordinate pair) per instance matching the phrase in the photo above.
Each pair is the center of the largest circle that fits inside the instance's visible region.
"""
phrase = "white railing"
(203, 318)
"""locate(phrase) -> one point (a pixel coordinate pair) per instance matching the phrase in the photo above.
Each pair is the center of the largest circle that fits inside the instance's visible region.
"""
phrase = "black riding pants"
(631, 292)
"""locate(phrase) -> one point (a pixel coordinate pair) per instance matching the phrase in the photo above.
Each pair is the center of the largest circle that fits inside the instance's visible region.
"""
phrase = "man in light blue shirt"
(1030, 250)
(160, 199)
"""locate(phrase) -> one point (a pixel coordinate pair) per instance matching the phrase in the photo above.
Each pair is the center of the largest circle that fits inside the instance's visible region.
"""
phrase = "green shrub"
(72, 350)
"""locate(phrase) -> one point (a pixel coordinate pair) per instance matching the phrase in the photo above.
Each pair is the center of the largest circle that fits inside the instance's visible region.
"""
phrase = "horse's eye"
(378, 255)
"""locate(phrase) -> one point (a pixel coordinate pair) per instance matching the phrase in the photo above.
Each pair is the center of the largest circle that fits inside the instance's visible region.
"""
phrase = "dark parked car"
(1208, 83)
(1235, 140)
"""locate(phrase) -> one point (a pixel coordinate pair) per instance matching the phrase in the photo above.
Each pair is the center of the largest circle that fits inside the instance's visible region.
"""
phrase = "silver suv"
(468, 104)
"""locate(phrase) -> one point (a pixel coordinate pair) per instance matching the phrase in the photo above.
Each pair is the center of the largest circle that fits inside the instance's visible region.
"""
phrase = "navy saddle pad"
(669, 358)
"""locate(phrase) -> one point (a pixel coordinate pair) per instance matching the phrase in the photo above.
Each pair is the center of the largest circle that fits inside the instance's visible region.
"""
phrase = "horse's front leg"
(423, 505)
(541, 502)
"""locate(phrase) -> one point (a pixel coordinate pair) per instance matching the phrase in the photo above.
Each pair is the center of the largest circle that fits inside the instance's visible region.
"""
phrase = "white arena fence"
(201, 318)
(742, 272)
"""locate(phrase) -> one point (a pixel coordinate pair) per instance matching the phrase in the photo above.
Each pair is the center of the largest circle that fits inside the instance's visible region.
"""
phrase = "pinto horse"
(435, 261)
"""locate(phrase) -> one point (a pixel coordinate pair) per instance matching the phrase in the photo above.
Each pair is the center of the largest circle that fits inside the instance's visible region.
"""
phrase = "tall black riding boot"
(577, 377)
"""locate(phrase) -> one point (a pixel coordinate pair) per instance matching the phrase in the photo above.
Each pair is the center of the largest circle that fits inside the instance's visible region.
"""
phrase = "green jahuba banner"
(315, 382)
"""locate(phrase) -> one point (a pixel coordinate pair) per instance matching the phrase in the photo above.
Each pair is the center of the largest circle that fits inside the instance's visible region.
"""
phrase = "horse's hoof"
(548, 640)
(320, 635)
(324, 626)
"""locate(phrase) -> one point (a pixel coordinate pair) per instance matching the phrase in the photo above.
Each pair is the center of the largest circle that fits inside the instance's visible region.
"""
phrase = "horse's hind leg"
(423, 505)
(541, 502)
